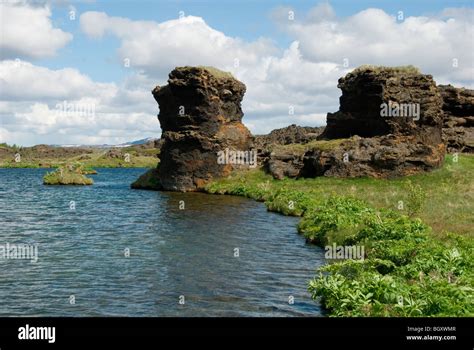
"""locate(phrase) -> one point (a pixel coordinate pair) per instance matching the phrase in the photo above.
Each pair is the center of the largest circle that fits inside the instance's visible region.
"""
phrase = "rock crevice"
(458, 110)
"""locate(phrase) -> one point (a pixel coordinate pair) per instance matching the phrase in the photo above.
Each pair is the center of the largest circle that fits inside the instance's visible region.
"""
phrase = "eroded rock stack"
(367, 88)
(389, 124)
(200, 116)
(458, 109)
(393, 120)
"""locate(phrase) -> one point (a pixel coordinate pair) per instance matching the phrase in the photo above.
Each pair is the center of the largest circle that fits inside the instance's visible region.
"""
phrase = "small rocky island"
(72, 174)
(392, 122)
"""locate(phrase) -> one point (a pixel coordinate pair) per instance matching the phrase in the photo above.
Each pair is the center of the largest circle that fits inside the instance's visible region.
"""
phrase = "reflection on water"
(125, 252)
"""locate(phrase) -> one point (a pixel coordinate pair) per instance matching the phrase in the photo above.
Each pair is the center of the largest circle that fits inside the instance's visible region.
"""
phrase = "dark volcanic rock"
(148, 181)
(281, 163)
(290, 134)
(364, 91)
(386, 156)
(200, 115)
(390, 145)
(458, 128)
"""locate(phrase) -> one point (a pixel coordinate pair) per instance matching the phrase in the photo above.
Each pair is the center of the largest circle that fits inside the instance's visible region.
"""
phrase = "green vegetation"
(68, 175)
(416, 198)
(134, 161)
(300, 148)
(412, 266)
(400, 69)
(217, 72)
(43, 156)
(449, 192)
(148, 180)
(405, 273)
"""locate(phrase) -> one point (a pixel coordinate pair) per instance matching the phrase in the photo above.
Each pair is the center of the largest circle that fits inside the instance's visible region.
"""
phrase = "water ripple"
(124, 252)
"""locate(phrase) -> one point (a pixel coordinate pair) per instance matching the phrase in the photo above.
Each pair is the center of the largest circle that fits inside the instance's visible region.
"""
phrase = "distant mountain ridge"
(121, 145)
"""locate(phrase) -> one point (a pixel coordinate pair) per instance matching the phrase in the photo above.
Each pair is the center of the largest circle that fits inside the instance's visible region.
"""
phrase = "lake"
(108, 250)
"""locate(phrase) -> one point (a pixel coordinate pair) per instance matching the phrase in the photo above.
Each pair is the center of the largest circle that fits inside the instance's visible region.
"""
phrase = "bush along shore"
(407, 268)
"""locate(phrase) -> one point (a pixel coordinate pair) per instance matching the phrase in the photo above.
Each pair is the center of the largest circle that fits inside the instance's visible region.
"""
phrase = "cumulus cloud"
(27, 32)
(21, 80)
(159, 47)
(442, 45)
(41, 105)
(290, 89)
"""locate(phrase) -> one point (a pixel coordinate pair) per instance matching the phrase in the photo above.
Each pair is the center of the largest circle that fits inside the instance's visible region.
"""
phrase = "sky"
(81, 72)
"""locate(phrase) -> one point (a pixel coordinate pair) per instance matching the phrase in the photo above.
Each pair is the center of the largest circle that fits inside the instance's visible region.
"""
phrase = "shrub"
(416, 198)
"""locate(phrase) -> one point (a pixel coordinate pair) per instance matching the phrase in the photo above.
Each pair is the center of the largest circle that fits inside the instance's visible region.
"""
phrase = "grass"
(398, 69)
(217, 72)
(415, 265)
(135, 161)
(449, 192)
(300, 149)
(68, 175)
(143, 159)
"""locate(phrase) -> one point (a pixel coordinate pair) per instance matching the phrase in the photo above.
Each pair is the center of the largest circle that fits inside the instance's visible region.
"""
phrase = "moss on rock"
(148, 181)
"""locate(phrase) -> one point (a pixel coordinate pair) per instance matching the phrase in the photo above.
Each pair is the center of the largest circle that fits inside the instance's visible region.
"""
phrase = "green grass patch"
(397, 69)
(217, 72)
(68, 175)
(300, 148)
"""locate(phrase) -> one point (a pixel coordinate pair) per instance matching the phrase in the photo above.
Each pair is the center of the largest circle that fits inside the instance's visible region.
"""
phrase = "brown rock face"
(200, 115)
(458, 109)
(383, 156)
(280, 162)
(397, 117)
(285, 136)
(364, 91)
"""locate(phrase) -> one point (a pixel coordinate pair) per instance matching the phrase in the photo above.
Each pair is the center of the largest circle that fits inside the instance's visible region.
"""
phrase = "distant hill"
(140, 153)
(121, 145)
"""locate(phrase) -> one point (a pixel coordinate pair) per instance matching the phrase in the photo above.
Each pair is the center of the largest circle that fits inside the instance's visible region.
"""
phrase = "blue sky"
(247, 19)
(47, 59)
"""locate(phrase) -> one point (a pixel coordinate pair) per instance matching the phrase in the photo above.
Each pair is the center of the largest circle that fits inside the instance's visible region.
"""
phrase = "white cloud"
(27, 32)
(374, 37)
(279, 86)
(21, 80)
(40, 105)
(159, 47)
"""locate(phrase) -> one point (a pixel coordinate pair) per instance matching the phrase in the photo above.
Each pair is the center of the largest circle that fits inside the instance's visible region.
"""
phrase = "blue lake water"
(189, 255)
